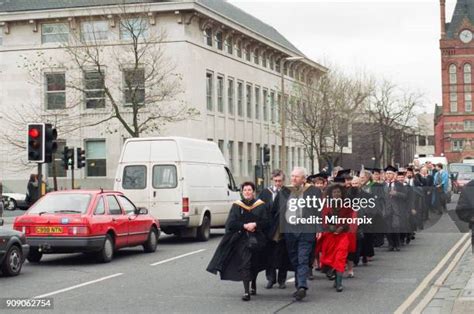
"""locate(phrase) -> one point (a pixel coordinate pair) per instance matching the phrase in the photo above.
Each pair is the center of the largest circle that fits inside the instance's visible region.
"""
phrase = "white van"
(184, 182)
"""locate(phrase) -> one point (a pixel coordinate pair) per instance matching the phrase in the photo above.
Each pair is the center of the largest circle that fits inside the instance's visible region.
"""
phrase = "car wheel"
(13, 261)
(106, 254)
(34, 256)
(204, 231)
(11, 204)
(152, 241)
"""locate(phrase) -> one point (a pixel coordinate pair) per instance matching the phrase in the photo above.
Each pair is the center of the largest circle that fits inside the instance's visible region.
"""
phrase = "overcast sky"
(396, 39)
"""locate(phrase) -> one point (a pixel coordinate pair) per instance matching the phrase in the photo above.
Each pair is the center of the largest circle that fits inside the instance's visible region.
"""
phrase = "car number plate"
(49, 230)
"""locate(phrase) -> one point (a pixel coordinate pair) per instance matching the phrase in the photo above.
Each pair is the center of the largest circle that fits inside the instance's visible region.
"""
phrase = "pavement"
(174, 280)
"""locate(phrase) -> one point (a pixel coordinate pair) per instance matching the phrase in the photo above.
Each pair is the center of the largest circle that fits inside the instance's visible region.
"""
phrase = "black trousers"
(393, 240)
(275, 276)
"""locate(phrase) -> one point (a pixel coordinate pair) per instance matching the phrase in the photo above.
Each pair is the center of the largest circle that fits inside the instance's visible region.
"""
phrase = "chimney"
(442, 4)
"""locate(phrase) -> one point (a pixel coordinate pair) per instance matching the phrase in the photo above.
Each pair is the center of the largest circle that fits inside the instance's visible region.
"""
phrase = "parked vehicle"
(461, 168)
(13, 200)
(184, 182)
(459, 180)
(13, 249)
(98, 222)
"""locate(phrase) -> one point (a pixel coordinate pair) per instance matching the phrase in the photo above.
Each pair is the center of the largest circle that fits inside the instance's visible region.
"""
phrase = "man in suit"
(276, 248)
(465, 208)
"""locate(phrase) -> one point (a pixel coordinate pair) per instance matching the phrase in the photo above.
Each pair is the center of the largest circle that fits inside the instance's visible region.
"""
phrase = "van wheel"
(34, 256)
(12, 262)
(152, 242)
(204, 231)
(106, 254)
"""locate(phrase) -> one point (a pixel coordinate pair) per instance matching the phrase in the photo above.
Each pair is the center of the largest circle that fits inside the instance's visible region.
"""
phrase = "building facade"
(230, 66)
(454, 120)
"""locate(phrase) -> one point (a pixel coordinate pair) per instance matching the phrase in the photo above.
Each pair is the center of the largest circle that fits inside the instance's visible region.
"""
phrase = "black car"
(13, 250)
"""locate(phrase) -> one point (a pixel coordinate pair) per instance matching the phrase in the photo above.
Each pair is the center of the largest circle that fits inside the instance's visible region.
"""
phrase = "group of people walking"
(390, 204)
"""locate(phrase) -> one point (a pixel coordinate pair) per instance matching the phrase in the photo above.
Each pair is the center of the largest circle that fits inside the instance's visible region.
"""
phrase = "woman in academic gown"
(239, 255)
(337, 239)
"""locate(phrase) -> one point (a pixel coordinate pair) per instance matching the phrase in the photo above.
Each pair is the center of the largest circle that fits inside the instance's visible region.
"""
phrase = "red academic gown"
(334, 248)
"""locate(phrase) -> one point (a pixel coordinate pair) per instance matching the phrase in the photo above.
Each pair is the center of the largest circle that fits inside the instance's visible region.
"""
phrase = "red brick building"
(454, 120)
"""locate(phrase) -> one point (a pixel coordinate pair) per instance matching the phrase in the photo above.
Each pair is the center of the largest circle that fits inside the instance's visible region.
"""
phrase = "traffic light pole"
(72, 178)
(40, 179)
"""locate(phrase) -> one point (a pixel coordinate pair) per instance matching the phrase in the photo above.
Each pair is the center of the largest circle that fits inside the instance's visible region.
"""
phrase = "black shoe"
(282, 286)
(300, 294)
(246, 297)
(338, 282)
(331, 274)
(397, 249)
(269, 285)
(364, 260)
(311, 276)
(253, 292)
(391, 249)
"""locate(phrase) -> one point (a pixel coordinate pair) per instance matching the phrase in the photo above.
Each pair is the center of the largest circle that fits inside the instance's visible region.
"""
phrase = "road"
(174, 280)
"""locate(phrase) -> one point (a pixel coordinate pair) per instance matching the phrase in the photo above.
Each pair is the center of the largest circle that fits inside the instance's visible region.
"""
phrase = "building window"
(220, 143)
(467, 87)
(1, 35)
(272, 107)
(134, 28)
(264, 60)
(134, 89)
(208, 36)
(256, 56)
(277, 66)
(468, 125)
(238, 48)
(431, 140)
(293, 158)
(247, 53)
(273, 157)
(219, 41)
(249, 101)
(54, 33)
(95, 31)
(258, 154)
(421, 140)
(453, 96)
(271, 61)
(278, 108)
(55, 91)
(249, 159)
(257, 103)
(230, 96)
(96, 162)
(231, 155)
(58, 163)
(240, 152)
(229, 45)
(265, 105)
(220, 94)
(240, 99)
(94, 89)
(457, 145)
(209, 92)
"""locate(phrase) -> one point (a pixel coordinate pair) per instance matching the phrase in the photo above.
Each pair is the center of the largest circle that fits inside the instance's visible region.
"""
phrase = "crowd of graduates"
(260, 237)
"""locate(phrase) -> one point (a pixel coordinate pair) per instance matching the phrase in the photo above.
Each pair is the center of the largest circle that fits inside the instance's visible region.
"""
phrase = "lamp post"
(283, 111)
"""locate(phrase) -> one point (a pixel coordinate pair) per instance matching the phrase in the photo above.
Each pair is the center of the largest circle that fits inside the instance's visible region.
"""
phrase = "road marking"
(412, 298)
(439, 282)
(177, 257)
(77, 286)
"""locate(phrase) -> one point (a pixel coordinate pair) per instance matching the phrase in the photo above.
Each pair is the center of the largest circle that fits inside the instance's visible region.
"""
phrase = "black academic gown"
(396, 213)
(233, 259)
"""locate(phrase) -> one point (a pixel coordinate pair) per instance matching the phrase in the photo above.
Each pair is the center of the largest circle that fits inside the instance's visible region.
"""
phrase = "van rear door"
(135, 183)
(166, 192)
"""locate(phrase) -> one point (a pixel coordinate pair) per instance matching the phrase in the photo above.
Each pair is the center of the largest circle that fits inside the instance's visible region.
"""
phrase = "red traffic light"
(34, 133)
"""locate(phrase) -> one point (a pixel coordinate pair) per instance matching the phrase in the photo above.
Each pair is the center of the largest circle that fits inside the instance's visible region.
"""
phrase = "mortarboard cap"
(344, 173)
(339, 180)
(390, 168)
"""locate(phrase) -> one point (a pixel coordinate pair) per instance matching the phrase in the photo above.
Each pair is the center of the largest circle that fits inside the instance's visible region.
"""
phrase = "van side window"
(231, 182)
(114, 207)
(164, 177)
(134, 177)
(100, 207)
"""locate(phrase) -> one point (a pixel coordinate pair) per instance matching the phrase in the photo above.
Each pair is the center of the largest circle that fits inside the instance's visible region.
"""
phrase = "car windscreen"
(67, 203)
(466, 176)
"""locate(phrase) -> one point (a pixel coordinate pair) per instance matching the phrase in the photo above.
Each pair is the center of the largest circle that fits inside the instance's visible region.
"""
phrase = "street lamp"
(283, 111)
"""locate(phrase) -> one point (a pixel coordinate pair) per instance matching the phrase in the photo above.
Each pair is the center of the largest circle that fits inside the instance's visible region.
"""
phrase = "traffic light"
(266, 155)
(36, 137)
(50, 144)
(68, 158)
(81, 158)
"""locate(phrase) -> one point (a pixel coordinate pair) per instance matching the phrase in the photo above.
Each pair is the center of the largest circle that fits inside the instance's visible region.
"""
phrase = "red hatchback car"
(98, 222)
